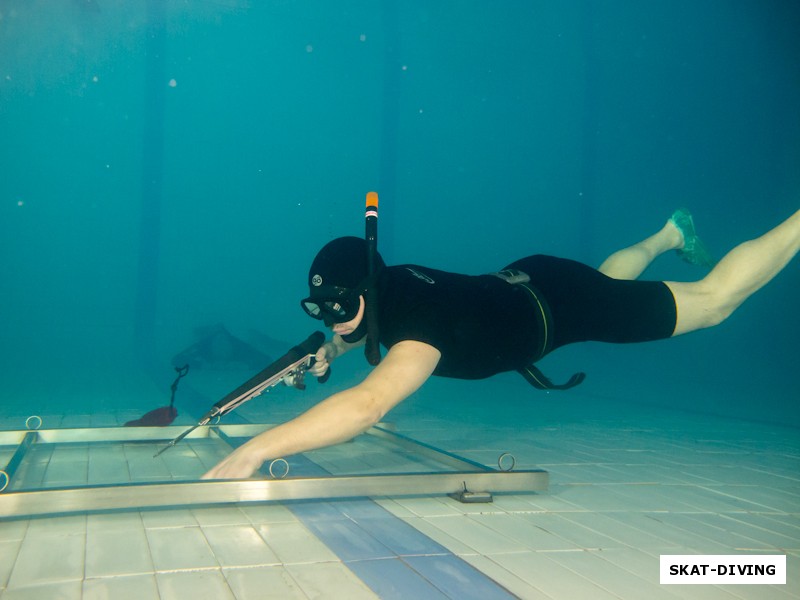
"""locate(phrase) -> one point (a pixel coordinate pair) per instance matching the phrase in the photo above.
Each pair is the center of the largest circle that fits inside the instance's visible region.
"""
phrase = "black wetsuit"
(483, 325)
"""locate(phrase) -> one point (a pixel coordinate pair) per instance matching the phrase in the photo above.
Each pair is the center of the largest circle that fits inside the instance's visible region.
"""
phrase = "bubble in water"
(309, 48)
(362, 37)
(172, 83)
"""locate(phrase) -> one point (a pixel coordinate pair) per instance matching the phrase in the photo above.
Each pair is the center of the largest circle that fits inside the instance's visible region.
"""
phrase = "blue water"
(166, 166)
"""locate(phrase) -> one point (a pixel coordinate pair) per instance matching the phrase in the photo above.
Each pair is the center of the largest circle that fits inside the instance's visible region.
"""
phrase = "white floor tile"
(554, 580)
(526, 531)
(122, 521)
(428, 507)
(196, 585)
(74, 524)
(117, 552)
(478, 537)
(760, 499)
(658, 498)
(13, 530)
(793, 571)
(658, 526)
(180, 548)
(67, 590)
(513, 583)
(427, 528)
(239, 546)
(178, 517)
(267, 513)
(264, 583)
(552, 501)
(183, 463)
(787, 525)
(8, 557)
(67, 473)
(134, 587)
(107, 464)
(758, 592)
(513, 503)
(618, 526)
(104, 420)
(223, 515)
(735, 533)
(613, 579)
(396, 508)
(579, 536)
(599, 498)
(45, 559)
(330, 580)
(294, 543)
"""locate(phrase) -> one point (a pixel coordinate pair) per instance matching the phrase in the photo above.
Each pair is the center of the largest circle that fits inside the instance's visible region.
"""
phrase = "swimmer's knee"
(700, 306)
(716, 313)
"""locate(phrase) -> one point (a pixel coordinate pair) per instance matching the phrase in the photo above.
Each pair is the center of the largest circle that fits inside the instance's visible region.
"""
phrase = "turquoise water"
(170, 166)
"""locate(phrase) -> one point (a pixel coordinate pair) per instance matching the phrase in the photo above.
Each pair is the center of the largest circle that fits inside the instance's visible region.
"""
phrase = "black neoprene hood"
(341, 263)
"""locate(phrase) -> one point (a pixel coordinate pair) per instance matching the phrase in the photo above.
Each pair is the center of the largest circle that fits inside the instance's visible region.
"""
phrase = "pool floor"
(628, 483)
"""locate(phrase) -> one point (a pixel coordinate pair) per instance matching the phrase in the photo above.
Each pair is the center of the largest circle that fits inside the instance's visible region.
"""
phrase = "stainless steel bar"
(19, 454)
(442, 456)
(13, 437)
(224, 436)
(468, 475)
(126, 434)
(130, 434)
(157, 495)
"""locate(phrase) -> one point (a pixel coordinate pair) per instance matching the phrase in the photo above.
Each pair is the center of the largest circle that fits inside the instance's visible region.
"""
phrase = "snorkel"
(345, 271)
(372, 349)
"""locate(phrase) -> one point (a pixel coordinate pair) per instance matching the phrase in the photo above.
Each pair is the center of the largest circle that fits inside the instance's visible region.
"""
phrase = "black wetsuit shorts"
(589, 306)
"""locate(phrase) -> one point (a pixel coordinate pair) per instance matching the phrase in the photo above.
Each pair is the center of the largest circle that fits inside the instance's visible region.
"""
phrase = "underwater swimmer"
(438, 323)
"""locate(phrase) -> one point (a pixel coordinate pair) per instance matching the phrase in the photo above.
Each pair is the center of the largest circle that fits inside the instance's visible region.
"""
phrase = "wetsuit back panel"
(480, 324)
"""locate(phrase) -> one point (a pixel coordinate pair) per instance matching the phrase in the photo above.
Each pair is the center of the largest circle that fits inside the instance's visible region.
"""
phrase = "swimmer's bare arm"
(340, 417)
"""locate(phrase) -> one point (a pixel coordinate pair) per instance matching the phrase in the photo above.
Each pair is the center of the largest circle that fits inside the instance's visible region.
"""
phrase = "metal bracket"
(467, 497)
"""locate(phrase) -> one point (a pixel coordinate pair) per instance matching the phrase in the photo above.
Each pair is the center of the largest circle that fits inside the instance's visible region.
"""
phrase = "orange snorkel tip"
(372, 201)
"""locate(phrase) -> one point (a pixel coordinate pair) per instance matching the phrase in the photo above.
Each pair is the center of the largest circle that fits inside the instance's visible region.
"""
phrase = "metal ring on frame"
(7, 480)
(272, 465)
(500, 462)
(28, 422)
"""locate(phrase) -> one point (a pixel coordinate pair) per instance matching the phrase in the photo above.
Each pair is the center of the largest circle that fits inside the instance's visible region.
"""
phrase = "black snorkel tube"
(372, 350)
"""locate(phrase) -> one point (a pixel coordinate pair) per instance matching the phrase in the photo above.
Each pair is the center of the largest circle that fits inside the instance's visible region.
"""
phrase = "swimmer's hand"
(239, 464)
(320, 367)
(329, 351)
(322, 360)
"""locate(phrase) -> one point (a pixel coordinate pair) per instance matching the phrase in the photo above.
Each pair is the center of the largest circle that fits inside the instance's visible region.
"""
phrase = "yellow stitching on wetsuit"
(544, 316)
(532, 375)
(515, 277)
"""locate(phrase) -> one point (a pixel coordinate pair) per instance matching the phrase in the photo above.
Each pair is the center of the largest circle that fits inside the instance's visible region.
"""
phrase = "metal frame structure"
(468, 482)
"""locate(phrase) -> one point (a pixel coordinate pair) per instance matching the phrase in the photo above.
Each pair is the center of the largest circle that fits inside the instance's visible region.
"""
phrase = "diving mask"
(333, 304)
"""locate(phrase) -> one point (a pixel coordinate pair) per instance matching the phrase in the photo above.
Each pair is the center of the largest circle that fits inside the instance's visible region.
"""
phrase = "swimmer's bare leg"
(631, 262)
(740, 273)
